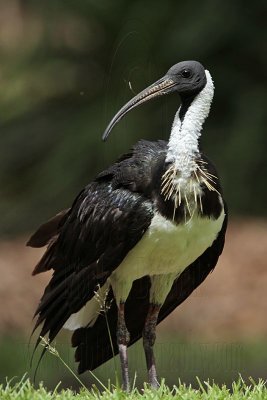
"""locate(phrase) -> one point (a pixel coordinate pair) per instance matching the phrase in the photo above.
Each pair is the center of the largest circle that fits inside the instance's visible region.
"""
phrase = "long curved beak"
(159, 88)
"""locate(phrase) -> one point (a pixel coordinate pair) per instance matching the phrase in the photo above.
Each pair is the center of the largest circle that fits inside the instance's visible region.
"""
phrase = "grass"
(24, 390)
(199, 389)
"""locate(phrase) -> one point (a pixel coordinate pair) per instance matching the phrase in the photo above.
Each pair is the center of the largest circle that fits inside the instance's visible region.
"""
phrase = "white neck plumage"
(183, 144)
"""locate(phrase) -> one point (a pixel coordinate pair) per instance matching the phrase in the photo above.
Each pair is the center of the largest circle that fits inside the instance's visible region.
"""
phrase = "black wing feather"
(79, 266)
(89, 241)
(47, 231)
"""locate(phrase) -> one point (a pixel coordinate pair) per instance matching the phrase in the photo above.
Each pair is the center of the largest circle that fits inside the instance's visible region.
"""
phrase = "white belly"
(169, 248)
(165, 249)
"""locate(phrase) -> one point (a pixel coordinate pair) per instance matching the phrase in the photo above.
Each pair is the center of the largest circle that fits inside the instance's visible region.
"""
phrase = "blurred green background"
(66, 66)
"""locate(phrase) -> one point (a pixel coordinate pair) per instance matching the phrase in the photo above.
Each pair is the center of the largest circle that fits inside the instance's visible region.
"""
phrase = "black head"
(187, 78)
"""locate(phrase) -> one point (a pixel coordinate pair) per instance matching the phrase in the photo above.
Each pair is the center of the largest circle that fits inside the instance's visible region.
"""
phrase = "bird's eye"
(186, 73)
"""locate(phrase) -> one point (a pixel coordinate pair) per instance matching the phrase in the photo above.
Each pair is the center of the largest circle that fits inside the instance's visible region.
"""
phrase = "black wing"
(89, 241)
(93, 344)
(99, 231)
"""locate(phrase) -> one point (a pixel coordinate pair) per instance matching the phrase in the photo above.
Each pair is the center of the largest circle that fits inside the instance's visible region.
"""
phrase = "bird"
(139, 238)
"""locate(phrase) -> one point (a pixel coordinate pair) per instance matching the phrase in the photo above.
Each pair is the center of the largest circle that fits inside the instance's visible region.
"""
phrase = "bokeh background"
(65, 67)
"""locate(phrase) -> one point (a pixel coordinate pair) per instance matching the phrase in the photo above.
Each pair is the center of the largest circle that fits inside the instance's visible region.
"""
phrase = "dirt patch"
(231, 303)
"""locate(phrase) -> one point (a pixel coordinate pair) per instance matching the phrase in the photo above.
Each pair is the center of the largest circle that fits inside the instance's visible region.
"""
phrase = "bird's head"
(187, 78)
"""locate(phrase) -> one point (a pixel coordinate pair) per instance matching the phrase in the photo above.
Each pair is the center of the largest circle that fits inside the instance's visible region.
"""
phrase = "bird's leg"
(149, 337)
(160, 287)
(123, 338)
